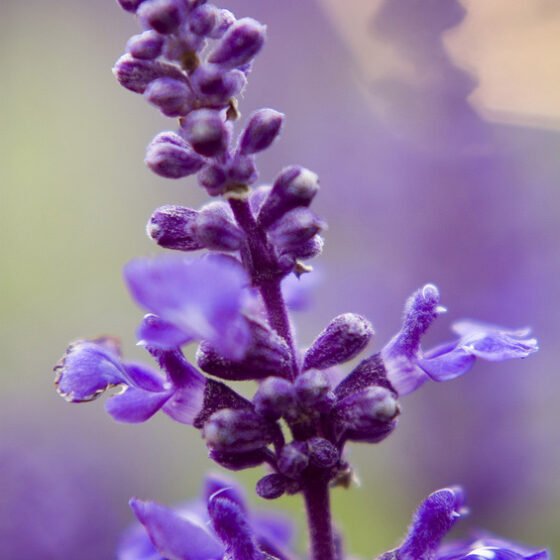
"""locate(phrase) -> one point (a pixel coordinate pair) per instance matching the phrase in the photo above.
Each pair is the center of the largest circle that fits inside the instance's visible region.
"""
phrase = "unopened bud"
(240, 44)
(293, 459)
(216, 230)
(236, 431)
(314, 391)
(261, 130)
(130, 5)
(243, 170)
(322, 453)
(215, 85)
(168, 155)
(165, 16)
(174, 227)
(295, 186)
(271, 486)
(146, 46)
(224, 21)
(343, 339)
(171, 97)
(238, 461)
(206, 131)
(203, 19)
(213, 178)
(136, 75)
(267, 355)
(367, 416)
(294, 228)
(275, 398)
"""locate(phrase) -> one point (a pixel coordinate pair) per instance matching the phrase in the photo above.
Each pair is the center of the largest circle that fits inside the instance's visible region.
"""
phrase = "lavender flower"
(299, 419)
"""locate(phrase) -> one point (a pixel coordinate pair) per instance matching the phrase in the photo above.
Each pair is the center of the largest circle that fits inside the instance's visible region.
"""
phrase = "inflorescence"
(192, 61)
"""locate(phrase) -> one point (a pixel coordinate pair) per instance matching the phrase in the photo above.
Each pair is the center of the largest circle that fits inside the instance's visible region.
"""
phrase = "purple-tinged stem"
(317, 504)
(261, 263)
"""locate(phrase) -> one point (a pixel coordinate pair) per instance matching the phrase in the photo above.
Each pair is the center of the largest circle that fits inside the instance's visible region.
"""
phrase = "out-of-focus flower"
(217, 526)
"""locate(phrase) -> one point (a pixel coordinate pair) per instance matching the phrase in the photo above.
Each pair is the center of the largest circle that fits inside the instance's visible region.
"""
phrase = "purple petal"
(186, 404)
(447, 365)
(174, 536)
(227, 487)
(144, 377)
(136, 405)
(136, 545)
(494, 343)
(157, 332)
(88, 369)
(200, 297)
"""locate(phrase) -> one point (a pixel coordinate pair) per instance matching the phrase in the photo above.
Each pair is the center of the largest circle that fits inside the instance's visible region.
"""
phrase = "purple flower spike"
(174, 536)
(343, 339)
(146, 46)
(172, 97)
(164, 16)
(432, 521)
(262, 129)
(202, 298)
(232, 526)
(240, 44)
(169, 156)
(174, 227)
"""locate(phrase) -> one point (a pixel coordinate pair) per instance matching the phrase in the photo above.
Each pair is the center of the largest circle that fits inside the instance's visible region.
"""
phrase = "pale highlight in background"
(512, 47)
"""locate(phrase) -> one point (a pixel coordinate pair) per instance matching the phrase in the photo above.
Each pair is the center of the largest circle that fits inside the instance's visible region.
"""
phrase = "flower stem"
(260, 261)
(317, 504)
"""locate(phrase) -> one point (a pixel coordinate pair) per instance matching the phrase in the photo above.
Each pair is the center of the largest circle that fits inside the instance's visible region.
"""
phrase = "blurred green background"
(76, 196)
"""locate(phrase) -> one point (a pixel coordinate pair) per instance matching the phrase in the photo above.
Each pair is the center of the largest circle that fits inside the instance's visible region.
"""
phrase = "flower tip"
(430, 292)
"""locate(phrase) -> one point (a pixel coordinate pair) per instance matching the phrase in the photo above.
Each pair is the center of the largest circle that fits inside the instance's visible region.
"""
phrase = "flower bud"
(146, 46)
(275, 398)
(322, 453)
(168, 155)
(213, 178)
(174, 227)
(267, 355)
(224, 21)
(172, 97)
(343, 339)
(295, 186)
(135, 75)
(293, 459)
(261, 130)
(215, 228)
(215, 85)
(238, 461)
(294, 228)
(308, 249)
(165, 16)
(370, 372)
(130, 5)
(202, 20)
(367, 415)
(313, 390)
(243, 170)
(240, 44)
(236, 431)
(271, 486)
(206, 131)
